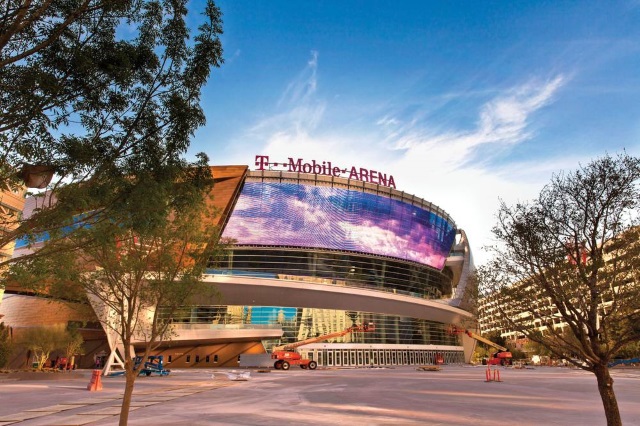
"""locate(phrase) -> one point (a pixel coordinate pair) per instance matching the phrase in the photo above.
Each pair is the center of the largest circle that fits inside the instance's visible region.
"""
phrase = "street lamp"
(36, 176)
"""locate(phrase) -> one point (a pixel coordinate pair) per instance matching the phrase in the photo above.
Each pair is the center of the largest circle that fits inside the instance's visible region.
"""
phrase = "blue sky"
(463, 102)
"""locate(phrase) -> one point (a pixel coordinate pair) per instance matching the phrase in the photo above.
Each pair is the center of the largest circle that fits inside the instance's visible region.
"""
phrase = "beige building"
(618, 281)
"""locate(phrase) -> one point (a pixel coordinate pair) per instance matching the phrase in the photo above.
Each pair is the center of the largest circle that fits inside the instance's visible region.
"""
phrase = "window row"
(298, 324)
(332, 268)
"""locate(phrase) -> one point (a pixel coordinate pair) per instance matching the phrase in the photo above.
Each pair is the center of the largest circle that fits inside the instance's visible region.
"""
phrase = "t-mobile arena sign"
(326, 168)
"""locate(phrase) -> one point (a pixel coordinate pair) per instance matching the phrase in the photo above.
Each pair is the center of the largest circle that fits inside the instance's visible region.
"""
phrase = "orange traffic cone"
(96, 381)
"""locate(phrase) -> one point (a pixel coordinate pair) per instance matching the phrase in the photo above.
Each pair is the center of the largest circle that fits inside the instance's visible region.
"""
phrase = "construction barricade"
(496, 375)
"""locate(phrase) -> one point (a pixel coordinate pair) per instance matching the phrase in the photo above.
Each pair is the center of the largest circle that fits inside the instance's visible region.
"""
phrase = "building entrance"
(381, 357)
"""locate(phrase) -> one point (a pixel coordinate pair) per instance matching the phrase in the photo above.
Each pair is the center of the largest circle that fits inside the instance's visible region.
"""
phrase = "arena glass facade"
(312, 229)
(313, 255)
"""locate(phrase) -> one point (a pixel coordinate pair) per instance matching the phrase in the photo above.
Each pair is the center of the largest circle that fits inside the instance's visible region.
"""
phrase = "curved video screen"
(289, 214)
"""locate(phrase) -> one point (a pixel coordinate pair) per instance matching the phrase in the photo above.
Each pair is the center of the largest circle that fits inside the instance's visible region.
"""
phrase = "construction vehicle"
(501, 357)
(631, 361)
(286, 355)
(153, 365)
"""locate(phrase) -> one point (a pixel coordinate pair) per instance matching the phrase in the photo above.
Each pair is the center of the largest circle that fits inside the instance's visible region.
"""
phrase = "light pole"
(36, 176)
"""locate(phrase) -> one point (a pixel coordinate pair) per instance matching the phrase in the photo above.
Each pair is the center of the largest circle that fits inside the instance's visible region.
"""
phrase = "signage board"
(326, 168)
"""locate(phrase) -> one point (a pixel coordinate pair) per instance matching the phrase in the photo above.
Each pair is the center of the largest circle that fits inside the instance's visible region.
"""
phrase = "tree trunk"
(609, 401)
(128, 393)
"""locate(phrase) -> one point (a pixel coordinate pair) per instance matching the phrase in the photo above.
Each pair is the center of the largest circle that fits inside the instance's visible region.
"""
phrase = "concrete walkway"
(456, 395)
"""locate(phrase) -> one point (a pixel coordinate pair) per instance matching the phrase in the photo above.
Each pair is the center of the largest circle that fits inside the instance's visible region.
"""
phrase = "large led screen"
(286, 214)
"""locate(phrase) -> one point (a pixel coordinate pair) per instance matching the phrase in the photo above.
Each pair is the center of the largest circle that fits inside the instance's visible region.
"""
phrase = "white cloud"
(297, 112)
(445, 167)
(304, 86)
(236, 55)
(502, 120)
(441, 165)
(387, 121)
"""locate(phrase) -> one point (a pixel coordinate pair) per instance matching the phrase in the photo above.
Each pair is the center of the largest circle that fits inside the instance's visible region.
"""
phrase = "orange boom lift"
(502, 357)
(286, 355)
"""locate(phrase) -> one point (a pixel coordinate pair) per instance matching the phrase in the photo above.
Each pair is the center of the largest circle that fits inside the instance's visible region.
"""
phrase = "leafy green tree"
(632, 350)
(496, 337)
(137, 275)
(6, 345)
(41, 341)
(29, 27)
(535, 348)
(105, 94)
(481, 352)
(73, 345)
(517, 354)
(567, 265)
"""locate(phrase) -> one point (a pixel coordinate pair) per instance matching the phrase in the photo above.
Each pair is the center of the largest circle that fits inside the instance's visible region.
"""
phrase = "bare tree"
(565, 272)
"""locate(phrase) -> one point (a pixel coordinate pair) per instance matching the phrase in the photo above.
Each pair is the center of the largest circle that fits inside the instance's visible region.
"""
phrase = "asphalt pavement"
(455, 395)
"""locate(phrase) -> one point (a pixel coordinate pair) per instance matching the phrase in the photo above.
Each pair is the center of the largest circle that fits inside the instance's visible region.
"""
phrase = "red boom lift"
(502, 357)
(286, 355)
